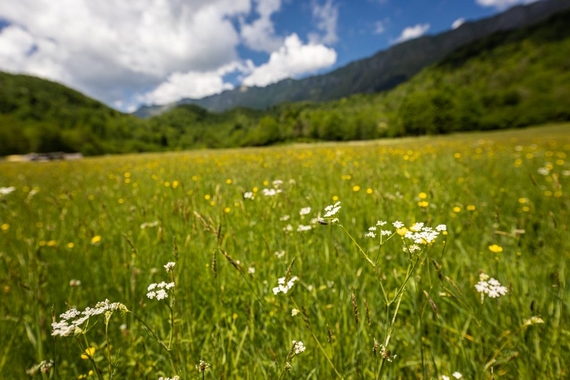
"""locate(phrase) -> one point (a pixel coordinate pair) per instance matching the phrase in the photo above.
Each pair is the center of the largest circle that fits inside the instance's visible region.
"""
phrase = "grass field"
(234, 222)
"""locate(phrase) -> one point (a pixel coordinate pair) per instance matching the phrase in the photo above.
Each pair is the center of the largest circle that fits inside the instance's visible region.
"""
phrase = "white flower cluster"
(276, 189)
(298, 347)
(372, 231)
(248, 195)
(332, 210)
(424, 235)
(490, 287)
(303, 228)
(73, 319)
(44, 366)
(455, 374)
(271, 192)
(169, 378)
(202, 366)
(6, 190)
(283, 287)
(169, 266)
(161, 290)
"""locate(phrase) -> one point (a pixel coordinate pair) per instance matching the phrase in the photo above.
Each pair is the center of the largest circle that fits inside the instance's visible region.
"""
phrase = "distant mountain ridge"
(380, 72)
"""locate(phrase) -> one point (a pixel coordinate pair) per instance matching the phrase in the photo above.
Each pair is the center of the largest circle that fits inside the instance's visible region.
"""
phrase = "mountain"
(508, 79)
(37, 115)
(381, 72)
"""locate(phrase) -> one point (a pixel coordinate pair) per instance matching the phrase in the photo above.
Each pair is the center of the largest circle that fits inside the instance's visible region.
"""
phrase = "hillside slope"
(38, 115)
(383, 71)
(506, 80)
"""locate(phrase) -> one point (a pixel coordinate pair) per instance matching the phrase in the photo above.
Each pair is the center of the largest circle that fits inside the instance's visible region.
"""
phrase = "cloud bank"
(412, 32)
(503, 4)
(157, 51)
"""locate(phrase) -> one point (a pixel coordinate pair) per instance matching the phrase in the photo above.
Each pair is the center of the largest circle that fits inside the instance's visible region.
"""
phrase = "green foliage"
(74, 233)
(507, 80)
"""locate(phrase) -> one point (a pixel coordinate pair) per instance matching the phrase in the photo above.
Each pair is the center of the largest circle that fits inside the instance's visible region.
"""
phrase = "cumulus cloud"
(158, 51)
(457, 23)
(502, 4)
(260, 34)
(412, 32)
(108, 49)
(192, 84)
(293, 58)
(326, 17)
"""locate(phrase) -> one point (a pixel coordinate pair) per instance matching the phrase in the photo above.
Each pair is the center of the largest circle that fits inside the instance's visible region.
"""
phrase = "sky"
(129, 53)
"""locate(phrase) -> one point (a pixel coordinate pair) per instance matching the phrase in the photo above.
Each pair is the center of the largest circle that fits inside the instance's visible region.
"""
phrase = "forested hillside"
(37, 115)
(507, 80)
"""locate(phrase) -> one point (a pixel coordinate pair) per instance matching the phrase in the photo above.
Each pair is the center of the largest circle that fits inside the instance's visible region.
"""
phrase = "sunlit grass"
(235, 221)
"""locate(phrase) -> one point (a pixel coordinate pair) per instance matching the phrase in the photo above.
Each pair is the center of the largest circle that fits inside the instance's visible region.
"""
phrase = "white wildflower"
(277, 183)
(332, 210)
(457, 375)
(72, 320)
(251, 270)
(417, 227)
(381, 223)
(284, 218)
(248, 195)
(370, 234)
(169, 266)
(202, 366)
(298, 347)
(385, 232)
(44, 366)
(294, 312)
(491, 287)
(305, 211)
(271, 192)
(161, 290)
(303, 228)
(533, 321)
(283, 287)
(6, 190)
(279, 254)
(441, 227)
(421, 235)
(398, 224)
(288, 228)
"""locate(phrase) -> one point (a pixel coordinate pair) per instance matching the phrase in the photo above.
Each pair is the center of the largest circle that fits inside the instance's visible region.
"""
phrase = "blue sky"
(158, 51)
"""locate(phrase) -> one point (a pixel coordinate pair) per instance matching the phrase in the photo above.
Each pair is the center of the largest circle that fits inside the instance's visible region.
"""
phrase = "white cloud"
(379, 27)
(17, 50)
(326, 17)
(502, 4)
(260, 35)
(293, 58)
(192, 84)
(158, 51)
(412, 32)
(109, 49)
(457, 23)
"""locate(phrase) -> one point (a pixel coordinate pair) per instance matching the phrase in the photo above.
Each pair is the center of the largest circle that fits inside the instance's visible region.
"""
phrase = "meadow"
(241, 264)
